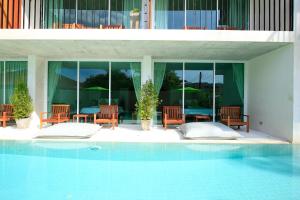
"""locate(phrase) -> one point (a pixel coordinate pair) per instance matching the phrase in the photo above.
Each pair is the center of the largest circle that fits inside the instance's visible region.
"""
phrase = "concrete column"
(147, 71)
(36, 82)
(296, 115)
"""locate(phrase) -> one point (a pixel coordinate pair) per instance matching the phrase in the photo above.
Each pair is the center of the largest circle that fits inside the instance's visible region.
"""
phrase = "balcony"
(261, 15)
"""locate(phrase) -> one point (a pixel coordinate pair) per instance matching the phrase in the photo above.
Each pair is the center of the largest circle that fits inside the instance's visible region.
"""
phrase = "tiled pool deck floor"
(133, 133)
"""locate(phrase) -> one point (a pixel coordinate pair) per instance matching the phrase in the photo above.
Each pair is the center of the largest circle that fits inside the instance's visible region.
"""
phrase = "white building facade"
(201, 55)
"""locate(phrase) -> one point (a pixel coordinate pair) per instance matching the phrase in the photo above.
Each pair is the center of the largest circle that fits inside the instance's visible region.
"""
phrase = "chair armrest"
(42, 114)
(247, 116)
(183, 117)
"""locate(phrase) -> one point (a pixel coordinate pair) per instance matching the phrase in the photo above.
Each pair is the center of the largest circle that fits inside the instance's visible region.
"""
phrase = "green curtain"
(238, 14)
(161, 14)
(1, 82)
(54, 71)
(15, 73)
(54, 13)
(136, 77)
(238, 75)
(129, 5)
(159, 74)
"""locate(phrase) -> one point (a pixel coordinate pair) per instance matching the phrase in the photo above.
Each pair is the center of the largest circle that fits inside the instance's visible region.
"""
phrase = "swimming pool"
(73, 170)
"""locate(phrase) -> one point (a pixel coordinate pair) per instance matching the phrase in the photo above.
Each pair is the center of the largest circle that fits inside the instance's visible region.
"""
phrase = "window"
(62, 84)
(94, 86)
(125, 89)
(198, 89)
(11, 73)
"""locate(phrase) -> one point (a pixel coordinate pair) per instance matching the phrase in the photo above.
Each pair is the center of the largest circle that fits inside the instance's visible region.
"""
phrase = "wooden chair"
(6, 114)
(172, 115)
(231, 116)
(108, 115)
(59, 113)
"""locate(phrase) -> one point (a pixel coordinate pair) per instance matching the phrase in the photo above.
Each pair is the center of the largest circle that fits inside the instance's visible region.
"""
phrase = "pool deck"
(133, 133)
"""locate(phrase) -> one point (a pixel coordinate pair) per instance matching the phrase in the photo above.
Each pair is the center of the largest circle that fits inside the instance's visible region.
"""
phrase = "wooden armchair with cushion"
(231, 116)
(6, 114)
(59, 113)
(108, 115)
(172, 115)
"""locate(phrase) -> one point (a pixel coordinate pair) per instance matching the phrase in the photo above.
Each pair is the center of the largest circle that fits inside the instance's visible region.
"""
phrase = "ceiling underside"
(127, 49)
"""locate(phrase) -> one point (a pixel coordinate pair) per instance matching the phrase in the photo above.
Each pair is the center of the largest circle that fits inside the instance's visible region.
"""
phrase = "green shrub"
(147, 102)
(22, 102)
(135, 10)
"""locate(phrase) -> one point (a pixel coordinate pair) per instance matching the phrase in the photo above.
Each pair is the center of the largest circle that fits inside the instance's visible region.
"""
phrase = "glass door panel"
(1, 82)
(93, 86)
(201, 14)
(168, 79)
(125, 89)
(198, 90)
(229, 85)
(92, 13)
(62, 84)
(169, 14)
(15, 72)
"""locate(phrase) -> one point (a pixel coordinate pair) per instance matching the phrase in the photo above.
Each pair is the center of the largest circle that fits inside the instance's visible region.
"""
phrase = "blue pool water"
(45, 170)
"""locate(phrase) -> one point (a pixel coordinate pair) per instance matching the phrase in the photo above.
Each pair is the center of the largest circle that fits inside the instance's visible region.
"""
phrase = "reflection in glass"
(169, 14)
(15, 72)
(120, 12)
(201, 14)
(92, 13)
(229, 85)
(198, 91)
(234, 14)
(1, 83)
(168, 79)
(59, 13)
(125, 89)
(94, 86)
(62, 84)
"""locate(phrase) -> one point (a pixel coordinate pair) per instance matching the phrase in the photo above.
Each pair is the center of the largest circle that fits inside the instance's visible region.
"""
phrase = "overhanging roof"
(134, 44)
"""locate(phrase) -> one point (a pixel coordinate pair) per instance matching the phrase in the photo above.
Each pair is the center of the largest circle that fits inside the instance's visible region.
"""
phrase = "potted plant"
(22, 104)
(146, 104)
(134, 18)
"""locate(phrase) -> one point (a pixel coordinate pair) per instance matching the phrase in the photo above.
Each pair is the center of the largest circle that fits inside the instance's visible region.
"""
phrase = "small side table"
(80, 116)
(202, 117)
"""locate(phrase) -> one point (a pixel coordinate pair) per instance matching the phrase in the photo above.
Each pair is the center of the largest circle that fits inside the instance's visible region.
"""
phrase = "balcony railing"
(269, 15)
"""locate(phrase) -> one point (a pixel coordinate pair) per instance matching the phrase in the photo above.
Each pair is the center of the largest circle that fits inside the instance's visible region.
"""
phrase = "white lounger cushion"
(69, 130)
(208, 130)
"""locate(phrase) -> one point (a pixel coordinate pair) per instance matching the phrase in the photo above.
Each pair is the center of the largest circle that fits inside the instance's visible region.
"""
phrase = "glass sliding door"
(169, 14)
(125, 89)
(1, 82)
(229, 85)
(94, 86)
(59, 13)
(198, 89)
(168, 83)
(120, 13)
(15, 73)
(92, 13)
(201, 14)
(62, 84)
(234, 14)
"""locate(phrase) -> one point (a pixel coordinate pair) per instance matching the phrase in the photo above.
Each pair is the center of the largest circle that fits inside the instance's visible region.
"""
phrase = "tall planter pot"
(146, 124)
(134, 20)
(23, 123)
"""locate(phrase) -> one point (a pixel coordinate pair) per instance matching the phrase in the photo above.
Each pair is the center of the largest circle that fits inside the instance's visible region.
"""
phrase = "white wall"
(297, 74)
(270, 92)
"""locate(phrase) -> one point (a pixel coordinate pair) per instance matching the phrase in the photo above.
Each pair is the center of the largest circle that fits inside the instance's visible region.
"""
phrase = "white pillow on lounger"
(208, 130)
